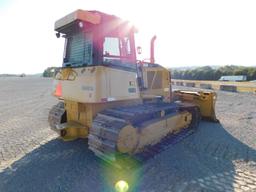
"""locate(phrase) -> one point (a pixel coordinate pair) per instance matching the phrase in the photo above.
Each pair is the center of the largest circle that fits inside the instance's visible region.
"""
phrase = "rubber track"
(56, 115)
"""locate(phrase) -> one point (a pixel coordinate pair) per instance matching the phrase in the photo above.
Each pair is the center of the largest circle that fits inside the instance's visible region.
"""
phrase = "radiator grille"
(154, 79)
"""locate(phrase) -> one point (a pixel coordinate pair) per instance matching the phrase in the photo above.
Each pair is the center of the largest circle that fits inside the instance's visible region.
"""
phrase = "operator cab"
(104, 45)
(95, 38)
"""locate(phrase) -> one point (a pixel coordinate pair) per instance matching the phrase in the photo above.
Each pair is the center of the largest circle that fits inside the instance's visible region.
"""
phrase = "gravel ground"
(218, 157)
(24, 104)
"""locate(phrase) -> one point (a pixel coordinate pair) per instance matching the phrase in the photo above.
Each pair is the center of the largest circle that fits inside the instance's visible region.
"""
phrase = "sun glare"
(122, 186)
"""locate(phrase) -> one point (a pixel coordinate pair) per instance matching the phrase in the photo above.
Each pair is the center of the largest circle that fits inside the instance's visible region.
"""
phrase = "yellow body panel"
(97, 84)
(157, 82)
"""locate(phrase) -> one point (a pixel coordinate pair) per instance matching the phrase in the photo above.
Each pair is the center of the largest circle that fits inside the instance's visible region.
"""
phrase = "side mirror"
(139, 50)
(58, 35)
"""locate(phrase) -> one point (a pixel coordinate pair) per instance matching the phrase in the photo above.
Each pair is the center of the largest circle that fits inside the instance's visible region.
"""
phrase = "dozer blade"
(205, 100)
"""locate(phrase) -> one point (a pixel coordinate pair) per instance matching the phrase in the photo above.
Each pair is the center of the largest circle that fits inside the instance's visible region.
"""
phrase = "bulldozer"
(120, 104)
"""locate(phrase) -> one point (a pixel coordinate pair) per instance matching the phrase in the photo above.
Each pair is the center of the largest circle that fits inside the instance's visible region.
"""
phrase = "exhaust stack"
(152, 49)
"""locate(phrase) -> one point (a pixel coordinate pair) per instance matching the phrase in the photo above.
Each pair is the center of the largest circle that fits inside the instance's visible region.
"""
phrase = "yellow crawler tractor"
(122, 105)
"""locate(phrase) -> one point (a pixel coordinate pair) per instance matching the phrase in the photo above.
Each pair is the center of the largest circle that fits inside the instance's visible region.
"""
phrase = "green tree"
(49, 72)
(208, 73)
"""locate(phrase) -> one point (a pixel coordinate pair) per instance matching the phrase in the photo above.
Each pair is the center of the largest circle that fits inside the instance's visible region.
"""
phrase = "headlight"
(80, 24)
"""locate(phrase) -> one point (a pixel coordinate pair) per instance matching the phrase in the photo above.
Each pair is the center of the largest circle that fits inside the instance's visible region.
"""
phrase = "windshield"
(78, 49)
(116, 49)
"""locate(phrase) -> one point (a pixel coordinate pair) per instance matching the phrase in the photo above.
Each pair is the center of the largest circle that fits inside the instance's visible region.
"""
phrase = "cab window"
(78, 49)
(116, 49)
(111, 47)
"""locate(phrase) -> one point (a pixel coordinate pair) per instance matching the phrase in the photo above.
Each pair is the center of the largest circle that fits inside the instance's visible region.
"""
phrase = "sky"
(189, 33)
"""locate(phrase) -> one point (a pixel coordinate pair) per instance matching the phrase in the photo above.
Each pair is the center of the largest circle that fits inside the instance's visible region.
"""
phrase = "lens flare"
(122, 186)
